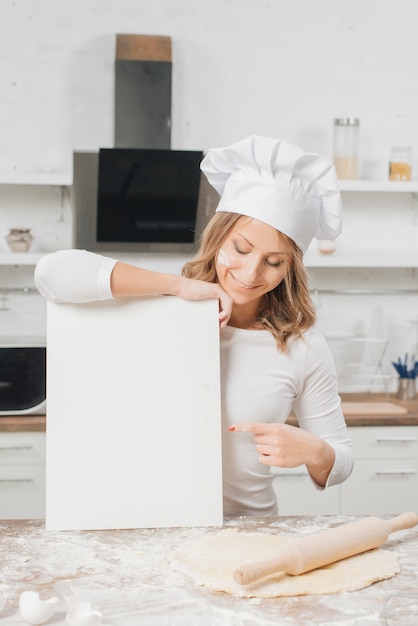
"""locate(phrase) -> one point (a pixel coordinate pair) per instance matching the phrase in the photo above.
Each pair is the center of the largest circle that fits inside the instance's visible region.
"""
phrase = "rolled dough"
(211, 560)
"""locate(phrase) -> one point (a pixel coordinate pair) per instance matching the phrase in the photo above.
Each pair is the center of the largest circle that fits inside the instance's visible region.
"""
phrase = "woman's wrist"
(322, 462)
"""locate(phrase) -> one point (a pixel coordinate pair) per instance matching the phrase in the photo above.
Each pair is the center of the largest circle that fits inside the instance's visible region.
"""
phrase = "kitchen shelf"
(382, 186)
(20, 258)
(20, 178)
(311, 260)
(361, 260)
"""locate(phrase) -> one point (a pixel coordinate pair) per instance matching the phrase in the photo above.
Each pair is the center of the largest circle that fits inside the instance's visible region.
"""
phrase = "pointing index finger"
(252, 427)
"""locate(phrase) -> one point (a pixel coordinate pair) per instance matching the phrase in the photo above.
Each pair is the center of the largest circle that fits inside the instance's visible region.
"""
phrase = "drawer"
(297, 495)
(384, 442)
(380, 487)
(22, 447)
(22, 492)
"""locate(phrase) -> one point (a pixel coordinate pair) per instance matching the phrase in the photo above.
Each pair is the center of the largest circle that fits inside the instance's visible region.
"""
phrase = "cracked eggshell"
(81, 614)
(34, 610)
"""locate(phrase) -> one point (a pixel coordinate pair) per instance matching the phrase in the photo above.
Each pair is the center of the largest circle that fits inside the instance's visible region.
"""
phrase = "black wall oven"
(22, 376)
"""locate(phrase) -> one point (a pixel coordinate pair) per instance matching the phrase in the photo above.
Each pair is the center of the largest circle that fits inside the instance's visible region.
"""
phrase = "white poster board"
(133, 415)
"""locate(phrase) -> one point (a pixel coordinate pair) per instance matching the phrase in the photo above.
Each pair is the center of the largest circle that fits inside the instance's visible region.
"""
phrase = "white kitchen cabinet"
(297, 495)
(384, 479)
(22, 475)
(385, 475)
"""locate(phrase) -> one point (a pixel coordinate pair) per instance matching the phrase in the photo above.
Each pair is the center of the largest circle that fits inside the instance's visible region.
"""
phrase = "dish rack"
(358, 361)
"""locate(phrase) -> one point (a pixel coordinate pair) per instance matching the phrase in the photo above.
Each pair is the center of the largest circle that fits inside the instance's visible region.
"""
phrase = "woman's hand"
(283, 445)
(128, 280)
(191, 289)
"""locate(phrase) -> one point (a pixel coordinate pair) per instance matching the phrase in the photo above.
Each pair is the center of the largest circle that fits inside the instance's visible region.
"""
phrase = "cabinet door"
(22, 475)
(22, 491)
(385, 442)
(297, 495)
(22, 448)
(381, 487)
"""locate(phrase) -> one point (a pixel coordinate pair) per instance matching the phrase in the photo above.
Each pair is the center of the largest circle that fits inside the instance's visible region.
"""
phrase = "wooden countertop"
(125, 575)
(408, 416)
(22, 423)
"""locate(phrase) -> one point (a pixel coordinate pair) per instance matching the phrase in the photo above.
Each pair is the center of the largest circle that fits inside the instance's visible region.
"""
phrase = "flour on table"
(211, 560)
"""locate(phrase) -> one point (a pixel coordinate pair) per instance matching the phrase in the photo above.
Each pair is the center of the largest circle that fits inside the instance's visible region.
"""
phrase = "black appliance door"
(22, 378)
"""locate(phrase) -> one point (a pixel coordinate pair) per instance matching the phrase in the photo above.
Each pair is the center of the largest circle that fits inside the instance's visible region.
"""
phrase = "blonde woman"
(274, 199)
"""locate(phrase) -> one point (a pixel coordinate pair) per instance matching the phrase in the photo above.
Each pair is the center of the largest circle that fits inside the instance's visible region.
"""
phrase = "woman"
(274, 199)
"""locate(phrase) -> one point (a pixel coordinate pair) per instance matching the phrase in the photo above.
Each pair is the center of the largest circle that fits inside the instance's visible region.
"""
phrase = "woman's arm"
(283, 445)
(321, 441)
(74, 276)
(80, 276)
(318, 410)
(128, 280)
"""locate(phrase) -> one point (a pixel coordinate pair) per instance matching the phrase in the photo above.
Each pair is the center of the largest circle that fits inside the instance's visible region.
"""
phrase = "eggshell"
(81, 614)
(34, 610)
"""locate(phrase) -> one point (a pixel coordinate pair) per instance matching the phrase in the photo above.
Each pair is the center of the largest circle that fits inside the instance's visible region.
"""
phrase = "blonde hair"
(288, 310)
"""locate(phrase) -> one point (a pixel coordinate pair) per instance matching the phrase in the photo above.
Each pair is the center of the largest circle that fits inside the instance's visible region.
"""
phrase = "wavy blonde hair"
(288, 310)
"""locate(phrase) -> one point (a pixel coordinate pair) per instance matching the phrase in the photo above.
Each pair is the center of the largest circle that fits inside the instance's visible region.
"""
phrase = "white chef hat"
(275, 182)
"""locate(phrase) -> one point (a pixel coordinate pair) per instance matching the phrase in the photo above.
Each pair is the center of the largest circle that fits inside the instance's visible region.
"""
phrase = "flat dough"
(211, 560)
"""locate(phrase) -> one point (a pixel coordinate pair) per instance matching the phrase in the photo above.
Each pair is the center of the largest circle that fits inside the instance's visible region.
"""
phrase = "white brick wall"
(281, 68)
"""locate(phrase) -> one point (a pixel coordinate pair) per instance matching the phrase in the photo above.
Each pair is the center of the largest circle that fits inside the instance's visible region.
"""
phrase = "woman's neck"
(246, 316)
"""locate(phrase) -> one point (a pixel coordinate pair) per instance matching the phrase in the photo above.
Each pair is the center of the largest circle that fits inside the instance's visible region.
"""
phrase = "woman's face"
(253, 260)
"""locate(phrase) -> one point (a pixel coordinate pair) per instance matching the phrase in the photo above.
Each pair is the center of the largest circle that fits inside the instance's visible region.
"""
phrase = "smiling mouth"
(242, 285)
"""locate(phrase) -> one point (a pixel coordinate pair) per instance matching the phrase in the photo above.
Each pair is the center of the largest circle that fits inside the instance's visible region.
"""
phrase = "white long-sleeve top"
(259, 383)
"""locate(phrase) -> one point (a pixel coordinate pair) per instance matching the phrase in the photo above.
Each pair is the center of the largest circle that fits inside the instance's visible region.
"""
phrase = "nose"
(251, 269)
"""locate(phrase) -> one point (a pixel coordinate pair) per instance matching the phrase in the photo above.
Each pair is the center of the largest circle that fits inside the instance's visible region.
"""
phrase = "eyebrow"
(252, 246)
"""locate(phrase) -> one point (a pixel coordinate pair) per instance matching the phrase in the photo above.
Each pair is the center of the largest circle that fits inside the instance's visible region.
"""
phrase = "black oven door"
(22, 379)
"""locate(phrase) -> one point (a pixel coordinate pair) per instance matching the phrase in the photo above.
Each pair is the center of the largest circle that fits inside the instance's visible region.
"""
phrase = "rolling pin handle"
(400, 522)
(251, 572)
(244, 575)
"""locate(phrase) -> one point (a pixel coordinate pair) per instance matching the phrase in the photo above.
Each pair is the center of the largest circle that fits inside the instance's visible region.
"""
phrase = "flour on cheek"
(223, 258)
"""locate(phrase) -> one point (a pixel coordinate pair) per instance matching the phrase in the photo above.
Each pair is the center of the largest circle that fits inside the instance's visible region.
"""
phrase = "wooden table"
(125, 575)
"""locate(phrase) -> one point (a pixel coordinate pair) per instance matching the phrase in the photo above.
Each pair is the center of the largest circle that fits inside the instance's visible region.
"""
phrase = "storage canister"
(345, 149)
(400, 164)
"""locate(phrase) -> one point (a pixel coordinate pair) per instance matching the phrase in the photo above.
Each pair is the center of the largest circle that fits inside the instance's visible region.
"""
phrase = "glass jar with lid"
(345, 147)
(400, 164)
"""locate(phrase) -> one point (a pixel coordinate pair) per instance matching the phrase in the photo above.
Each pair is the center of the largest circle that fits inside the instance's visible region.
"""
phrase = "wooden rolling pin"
(304, 554)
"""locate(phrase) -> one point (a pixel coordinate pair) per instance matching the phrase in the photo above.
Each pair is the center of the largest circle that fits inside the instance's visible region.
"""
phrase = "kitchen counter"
(408, 416)
(125, 575)
(22, 423)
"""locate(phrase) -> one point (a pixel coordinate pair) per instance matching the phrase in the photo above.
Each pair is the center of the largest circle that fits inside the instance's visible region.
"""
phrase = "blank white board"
(133, 415)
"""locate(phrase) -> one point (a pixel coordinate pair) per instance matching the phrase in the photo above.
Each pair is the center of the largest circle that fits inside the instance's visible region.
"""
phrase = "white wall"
(281, 68)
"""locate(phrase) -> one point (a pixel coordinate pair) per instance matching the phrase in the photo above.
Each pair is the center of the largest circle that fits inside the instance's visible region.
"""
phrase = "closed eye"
(237, 248)
(267, 262)
(278, 264)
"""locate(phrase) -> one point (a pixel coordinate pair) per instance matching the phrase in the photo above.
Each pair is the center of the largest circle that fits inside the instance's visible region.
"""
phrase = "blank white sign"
(133, 415)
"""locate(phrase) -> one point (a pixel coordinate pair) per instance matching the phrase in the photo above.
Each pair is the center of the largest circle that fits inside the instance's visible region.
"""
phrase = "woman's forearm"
(128, 280)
